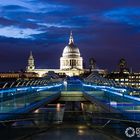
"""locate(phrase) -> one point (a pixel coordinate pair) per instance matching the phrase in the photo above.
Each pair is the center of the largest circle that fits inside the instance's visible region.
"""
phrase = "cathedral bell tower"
(31, 65)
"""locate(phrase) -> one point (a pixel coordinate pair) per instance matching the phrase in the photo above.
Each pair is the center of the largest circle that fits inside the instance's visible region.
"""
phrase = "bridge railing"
(25, 83)
(10, 90)
(99, 80)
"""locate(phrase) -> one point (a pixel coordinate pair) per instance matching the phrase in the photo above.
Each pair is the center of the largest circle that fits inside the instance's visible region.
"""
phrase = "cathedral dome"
(71, 49)
(71, 56)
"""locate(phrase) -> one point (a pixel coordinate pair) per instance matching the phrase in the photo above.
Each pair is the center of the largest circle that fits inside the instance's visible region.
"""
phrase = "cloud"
(30, 6)
(25, 12)
(130, 16)
(14, 32)
(58, 25)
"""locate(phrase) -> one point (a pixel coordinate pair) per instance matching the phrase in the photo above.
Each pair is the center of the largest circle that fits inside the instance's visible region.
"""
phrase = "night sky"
(106, 30)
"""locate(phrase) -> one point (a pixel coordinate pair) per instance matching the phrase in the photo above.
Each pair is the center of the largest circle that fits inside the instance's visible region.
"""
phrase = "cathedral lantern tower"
(71, 57)
(31, 65)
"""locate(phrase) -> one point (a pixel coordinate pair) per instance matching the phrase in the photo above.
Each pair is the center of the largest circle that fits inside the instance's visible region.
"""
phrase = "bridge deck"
(72, 96)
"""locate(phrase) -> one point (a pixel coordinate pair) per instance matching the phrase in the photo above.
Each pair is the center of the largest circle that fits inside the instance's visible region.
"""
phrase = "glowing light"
(36, 111)
(113, 90)
(58, 107)
(132, 97)
(113, 103)
(80, 132)
(22, 88)
(82, 106)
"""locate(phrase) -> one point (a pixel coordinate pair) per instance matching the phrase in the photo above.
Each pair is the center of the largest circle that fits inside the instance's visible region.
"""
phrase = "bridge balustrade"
(23, 83)
(99, 80)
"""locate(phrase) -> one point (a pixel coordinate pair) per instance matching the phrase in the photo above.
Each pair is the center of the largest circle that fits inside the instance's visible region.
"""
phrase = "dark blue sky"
(106, 30)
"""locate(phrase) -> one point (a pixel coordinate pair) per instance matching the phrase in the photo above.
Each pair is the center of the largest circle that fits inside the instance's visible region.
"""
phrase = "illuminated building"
(16, 75)
(124, 77)
(31, 65)
(128, 79)
(71, 62)
(71, 57)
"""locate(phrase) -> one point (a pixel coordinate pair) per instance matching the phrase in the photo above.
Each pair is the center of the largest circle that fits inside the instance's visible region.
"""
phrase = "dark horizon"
(106, 31)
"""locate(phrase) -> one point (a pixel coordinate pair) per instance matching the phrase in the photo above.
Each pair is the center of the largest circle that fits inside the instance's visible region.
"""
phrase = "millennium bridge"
(94, 107)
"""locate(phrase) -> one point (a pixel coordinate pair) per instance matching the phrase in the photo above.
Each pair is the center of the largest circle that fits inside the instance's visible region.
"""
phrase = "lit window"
(122, 79)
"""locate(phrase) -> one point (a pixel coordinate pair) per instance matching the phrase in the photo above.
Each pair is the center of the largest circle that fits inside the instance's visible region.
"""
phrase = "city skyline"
(106, 31)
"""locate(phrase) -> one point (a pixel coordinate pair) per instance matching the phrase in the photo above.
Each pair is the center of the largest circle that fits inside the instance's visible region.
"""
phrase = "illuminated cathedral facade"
(71, 62)
(71, 58)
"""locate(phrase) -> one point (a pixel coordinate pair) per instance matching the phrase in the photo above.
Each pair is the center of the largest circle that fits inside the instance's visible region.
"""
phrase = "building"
(31, 64)
(71, 62)
(124, 76)
(71, 57)
(123, 66)
(17, 75)
(92, 64)
(127, 79)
